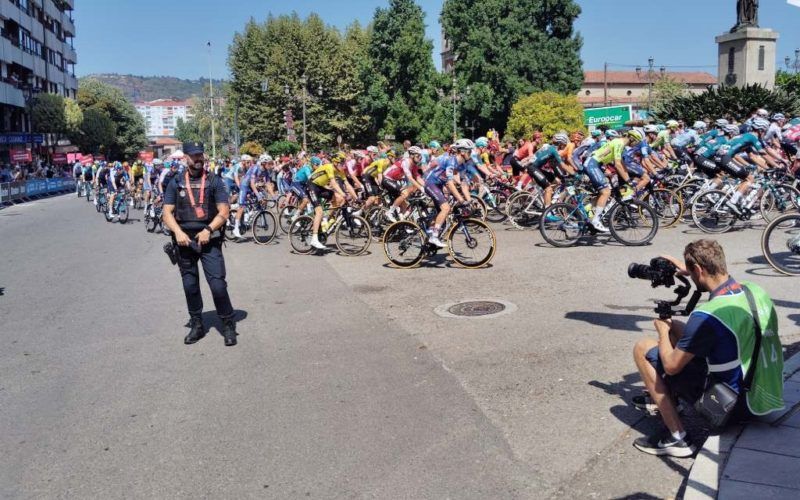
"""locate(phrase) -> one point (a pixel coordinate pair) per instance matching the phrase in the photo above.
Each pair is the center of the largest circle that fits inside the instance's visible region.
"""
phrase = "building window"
(761, 58)
(731, 55)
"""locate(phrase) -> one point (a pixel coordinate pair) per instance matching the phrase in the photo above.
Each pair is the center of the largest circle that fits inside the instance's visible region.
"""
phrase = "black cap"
(193, 148)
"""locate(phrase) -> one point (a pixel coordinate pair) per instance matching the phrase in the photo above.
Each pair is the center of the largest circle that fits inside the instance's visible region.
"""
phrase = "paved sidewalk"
(757, 460)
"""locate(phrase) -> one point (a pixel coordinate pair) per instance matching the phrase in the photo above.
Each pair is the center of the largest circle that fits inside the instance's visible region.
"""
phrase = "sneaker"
(734, 207)
(390, 215)
(316, 243)
(646, 404)
(236, 232)
(599, 226)
(435, 241)
(234, 206)
(665, 444)
(552, 218)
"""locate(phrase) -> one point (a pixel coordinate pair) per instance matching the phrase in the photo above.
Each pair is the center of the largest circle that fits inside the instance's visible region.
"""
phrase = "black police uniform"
(193, 213)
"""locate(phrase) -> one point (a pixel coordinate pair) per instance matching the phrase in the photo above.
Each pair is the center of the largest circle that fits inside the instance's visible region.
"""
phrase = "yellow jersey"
(322, 175)
(377, 167)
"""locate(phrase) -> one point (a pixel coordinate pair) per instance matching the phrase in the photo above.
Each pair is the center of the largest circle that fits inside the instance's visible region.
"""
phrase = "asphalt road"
(345, 382)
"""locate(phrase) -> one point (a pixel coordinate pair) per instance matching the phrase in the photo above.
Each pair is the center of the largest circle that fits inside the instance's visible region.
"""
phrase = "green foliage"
(150, 88)
(130, 132)
(665, 90)
(788, 82)
(548, 112)
(73, 115)
(510, 48)
(187, 131)
(97, 132)
(47, 114)
(251, 148)
(198, 126)
(281, 148)
(733, 103)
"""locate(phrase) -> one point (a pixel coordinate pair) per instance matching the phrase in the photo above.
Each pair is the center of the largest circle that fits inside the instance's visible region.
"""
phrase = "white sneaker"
(435, 241)
(390, 215)
(599, 226)
(234, 206)
(316, 243)
(236, 232)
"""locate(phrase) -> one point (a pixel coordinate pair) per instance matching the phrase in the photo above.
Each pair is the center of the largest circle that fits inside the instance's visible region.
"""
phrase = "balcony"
(11, 95)
(67, 25)
(70, 54)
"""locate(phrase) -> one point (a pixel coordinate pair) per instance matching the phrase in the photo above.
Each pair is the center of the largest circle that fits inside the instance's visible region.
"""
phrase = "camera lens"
(639, 271)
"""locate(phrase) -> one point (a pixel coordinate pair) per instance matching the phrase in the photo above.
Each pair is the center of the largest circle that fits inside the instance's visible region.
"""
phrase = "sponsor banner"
(12, 191)
(21, 138)
(20, 155)
(17, 190)
(60, 158)
(611, 117)
(36, 187)
(87, 160)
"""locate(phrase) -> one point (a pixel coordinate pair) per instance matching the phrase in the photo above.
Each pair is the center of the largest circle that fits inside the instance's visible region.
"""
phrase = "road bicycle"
(780, 244)
(470, 242)
(257, 218)
(120, 208)
(352, 233)
(102, 200)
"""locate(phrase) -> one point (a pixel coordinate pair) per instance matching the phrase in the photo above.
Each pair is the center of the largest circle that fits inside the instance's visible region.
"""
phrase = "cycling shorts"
(516, 167)
(392, 186)
(634, 168)
(734, 169)
(137, 178)
(595, 173)
(542, 177)
(370, 186)
(299, 190)
(435, 192)
(318, 193)
(110, 186)
(244, 189)
(706, 165)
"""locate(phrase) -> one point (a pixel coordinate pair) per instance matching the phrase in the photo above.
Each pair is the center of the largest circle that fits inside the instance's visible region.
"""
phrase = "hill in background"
(150, 88)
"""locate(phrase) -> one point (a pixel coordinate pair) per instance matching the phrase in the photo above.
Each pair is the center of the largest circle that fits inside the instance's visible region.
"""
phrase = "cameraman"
(708, 345)
(195, 210)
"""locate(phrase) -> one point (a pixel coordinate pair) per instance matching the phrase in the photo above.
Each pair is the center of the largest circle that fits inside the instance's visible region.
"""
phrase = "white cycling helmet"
(264, 158)
(463, 144)
(760, 124)
(373, 149)
(721, 123)
(778, 116)
(672, 124)
(561, 138)
(763, 113)
(157, 162)
(731, 129)
(699, 125)
(414, 150)
(246, 157)
(650, 129)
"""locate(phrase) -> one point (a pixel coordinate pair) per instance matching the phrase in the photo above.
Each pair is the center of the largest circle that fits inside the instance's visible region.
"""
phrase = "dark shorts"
(689, 383)
(316, 194)
(706, 165)
(734, 169)
(435, 192)
(137, 178)
(516, 167)
(392, 186)
(370, 186)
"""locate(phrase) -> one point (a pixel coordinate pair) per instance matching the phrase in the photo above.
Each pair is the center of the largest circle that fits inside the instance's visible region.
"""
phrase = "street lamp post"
(304, 81)
(455, 97)
(27, 93)
(650, 63)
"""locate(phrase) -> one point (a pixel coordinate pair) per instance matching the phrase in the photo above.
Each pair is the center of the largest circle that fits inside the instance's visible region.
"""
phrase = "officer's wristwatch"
(208, 228)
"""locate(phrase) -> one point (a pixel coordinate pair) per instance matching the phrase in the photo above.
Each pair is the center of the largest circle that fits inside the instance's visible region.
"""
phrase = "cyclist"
(547, 165)
(706, 152)
(300, 189)
(77, 171)
(633, 159)
(118, 182)
(664, 138)
(247, 184)
(100, 180)
(445, 173)
(87, 175)
(410, 170)
(372, 176)
(340, 172)
(152, 171)
(267, 172)
(241, 169)
(322, 185)
(687, 139)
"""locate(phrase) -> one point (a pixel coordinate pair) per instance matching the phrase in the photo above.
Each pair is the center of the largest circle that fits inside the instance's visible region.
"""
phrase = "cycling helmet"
(482, 142)
(731, 129)
(157, 162)
(635, 135)
(778, 116)
(373, 149)
(721, 123)
(763, 113)
(760, 124)
(672, 124)
(414, 150)
(339, 157)
(597, 132)
(434, 145)
(650, 129)
(358, 154)
(464, 144)
(611, 134)
(316, 161)
(247, 158)
(118, 166)
(561, 138)
(699, 125)
(391, 154)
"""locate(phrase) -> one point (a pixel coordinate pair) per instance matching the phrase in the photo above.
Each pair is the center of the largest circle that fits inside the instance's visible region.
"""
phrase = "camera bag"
(719, 399)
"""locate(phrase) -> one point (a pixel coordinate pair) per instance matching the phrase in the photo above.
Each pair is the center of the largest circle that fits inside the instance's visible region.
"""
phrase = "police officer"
(196, 208)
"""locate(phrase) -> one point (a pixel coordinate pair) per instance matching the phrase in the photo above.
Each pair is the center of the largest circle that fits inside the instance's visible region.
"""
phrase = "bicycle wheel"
(667, 204)
(353, 239)
(123, 211)
(633, 223)
(497, 206)
(285, 217)
(688, 192)
(152, 223)
(562, 225)
(300, 234)
(404, 244)
(89, 194)
(479, 208)
(264, 227)
(710, 212)
(378, 223)
(782, 199)
(780, 244)
(229, 225)
(524, 210)
(471, 243)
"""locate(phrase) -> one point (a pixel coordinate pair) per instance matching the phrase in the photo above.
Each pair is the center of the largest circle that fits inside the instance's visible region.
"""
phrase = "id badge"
(199, 212)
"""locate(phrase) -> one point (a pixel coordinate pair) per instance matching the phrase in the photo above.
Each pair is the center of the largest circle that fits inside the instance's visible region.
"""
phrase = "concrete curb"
(703, 481)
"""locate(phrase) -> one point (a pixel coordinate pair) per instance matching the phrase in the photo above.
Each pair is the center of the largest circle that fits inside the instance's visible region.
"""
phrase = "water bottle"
(588, 208)
(247, 216)
(324, 223)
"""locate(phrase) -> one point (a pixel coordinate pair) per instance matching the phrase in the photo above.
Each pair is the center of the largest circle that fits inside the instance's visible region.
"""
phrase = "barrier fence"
(13, 191)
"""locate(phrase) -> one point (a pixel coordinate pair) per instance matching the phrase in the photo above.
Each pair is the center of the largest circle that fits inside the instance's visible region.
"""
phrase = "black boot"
(197, 331)
(229, 332)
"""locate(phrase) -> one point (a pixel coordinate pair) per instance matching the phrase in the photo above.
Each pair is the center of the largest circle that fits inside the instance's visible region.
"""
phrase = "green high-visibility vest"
(733, 311)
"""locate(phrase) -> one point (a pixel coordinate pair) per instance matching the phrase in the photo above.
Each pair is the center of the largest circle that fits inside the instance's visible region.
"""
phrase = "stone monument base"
(747, 56)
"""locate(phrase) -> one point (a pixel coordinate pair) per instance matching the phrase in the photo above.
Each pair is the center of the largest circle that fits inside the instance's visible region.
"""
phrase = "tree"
(198, 126)
(665, 90)
(97, 132)
(187, 131)
(510, 48)
(281, 148)
(547, 112)
(733, 103)
(788, 82)
(47, 114)
(73, 116)
(130, 131)
(252, 148)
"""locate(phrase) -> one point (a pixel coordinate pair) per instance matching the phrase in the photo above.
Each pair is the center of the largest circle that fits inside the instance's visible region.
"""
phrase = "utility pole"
(455, 97)
(650, 63)
(213, 124)
(605, 84)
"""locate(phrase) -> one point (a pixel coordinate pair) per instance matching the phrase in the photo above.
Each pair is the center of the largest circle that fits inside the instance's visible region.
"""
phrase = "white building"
(161, 116)
(36, 55)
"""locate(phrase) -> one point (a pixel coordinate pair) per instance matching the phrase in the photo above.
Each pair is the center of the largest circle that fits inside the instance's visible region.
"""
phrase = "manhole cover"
(476, 308)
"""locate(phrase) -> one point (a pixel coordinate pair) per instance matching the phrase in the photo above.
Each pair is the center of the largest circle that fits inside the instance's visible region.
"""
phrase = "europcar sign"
(611, 117)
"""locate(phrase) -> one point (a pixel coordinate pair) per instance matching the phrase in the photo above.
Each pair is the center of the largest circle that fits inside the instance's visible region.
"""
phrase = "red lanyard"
(197, 210)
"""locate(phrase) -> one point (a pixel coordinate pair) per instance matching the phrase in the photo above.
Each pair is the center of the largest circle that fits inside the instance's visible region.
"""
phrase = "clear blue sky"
(168, 37)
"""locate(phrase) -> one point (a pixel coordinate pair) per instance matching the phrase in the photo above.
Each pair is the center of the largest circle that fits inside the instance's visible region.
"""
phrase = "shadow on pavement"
(627, 322)
(211, 320)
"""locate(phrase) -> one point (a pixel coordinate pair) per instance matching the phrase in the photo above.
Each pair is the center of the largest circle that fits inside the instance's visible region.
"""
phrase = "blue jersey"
(302, 174)
(547, 155)
(745, 143)
(446, 168)
(686, 139)
(252, 174)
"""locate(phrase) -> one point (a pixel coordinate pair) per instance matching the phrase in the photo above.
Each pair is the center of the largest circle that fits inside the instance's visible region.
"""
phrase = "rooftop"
(632, 77)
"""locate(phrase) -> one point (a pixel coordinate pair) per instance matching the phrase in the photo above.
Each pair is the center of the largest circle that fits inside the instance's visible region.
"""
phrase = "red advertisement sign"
(87, 159)
(21, 155)
(60, 158)
(146, 156)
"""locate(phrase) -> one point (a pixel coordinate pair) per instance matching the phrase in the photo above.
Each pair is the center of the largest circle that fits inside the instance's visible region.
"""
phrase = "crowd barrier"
(16, 191)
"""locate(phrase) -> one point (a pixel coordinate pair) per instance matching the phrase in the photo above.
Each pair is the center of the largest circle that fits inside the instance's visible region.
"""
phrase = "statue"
(746, 14)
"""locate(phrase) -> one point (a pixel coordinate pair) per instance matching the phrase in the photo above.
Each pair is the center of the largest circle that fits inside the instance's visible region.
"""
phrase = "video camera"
(662, 272)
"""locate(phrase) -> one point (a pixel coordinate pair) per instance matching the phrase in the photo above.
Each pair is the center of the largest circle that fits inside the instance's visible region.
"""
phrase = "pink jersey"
(793, 134)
